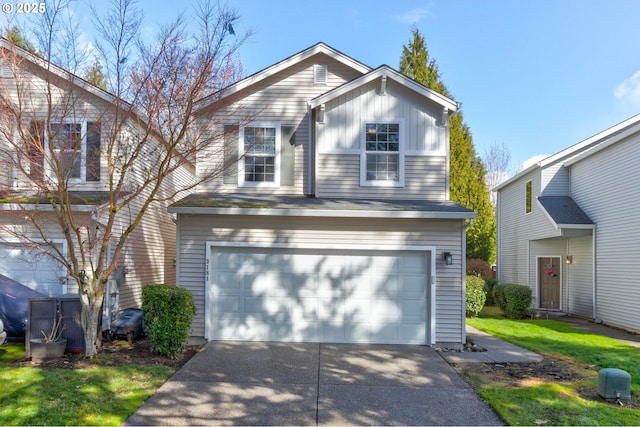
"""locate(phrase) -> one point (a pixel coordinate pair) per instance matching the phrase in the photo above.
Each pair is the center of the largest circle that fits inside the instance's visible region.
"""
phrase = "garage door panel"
(318, 295)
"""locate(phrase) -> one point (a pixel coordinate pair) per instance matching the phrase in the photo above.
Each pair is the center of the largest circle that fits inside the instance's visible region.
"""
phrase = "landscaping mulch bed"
(117, 353)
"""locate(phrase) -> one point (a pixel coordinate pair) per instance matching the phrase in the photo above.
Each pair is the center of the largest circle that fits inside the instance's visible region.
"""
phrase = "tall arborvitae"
(467, 173)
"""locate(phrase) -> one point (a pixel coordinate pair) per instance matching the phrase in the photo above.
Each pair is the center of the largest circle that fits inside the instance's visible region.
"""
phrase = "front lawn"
(91, 395)
(566, 395)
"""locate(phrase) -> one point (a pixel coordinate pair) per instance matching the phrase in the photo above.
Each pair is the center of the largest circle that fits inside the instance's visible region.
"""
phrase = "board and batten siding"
(605, 185)
(445, 235)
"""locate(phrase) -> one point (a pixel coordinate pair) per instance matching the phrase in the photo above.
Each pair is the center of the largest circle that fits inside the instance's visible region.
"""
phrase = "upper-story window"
(529, 197)
(259, 155)
(382, 160)
(76, 146)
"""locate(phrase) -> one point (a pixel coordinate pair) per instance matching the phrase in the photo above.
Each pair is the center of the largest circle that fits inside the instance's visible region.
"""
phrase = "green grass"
(550, 401)
(97, 395)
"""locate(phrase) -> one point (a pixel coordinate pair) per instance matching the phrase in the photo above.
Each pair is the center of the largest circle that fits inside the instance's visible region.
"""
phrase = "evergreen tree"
(467, 172)
(95, 76)
(15, 36)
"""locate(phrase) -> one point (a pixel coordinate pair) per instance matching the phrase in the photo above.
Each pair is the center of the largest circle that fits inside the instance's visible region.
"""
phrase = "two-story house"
(566, 228)
(68, 122)
(332, 220)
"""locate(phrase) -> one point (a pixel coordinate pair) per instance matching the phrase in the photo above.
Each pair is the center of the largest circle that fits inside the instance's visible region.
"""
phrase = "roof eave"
(327, 213)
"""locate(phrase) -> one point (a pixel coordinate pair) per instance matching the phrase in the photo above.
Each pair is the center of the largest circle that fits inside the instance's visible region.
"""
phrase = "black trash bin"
(127, 324)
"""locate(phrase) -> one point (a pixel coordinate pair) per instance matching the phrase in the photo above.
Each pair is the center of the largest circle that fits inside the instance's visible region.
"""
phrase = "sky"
(533, 76)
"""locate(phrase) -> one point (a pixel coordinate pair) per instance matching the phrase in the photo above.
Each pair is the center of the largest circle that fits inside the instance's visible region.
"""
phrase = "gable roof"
(318, 48)
(384, 71)
(57, 71)
(584, 148)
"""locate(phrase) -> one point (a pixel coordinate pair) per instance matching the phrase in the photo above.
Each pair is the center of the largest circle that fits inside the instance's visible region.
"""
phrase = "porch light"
(448, 258)
(568, 259)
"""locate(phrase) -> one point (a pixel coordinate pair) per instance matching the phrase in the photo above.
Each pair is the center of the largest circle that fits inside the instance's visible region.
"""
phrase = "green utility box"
(614, 384)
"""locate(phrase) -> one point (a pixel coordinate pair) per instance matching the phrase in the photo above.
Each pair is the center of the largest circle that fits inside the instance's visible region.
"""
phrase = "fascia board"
(391, 73)
(282, 65)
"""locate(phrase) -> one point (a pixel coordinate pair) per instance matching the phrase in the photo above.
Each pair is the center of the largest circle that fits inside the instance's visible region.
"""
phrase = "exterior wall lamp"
(568, 259)
(448, 258)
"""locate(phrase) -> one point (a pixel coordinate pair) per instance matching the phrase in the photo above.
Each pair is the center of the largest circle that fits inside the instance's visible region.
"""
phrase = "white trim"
(431, 273)
(242, 155)
(560, 281)
(64, 272)
(316, 49)
(394, 75)
(363, 153)
(328, 213)
(83, 149)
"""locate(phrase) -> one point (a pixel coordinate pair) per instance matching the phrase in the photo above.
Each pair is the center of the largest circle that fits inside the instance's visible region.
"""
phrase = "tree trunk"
(90, 321)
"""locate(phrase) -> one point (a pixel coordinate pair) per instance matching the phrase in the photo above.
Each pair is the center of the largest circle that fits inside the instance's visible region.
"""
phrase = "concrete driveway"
(243, 383)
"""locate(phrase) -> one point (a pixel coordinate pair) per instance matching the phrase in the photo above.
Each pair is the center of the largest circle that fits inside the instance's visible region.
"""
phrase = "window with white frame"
(259, 159)
(76, 146)
(381, 162)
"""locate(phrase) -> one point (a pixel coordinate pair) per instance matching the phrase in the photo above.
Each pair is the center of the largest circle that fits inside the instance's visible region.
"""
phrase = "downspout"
(310, 172)
(594, 270)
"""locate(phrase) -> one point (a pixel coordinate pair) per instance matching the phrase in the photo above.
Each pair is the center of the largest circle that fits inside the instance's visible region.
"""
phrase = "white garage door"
(318, 296)
(32, 268)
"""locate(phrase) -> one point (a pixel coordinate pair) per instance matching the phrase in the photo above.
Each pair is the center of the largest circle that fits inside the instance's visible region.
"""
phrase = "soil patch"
(117, 353)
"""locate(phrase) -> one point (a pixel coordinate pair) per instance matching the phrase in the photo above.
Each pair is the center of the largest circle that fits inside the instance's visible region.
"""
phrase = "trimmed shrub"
(518, 301)
(499, 296)
(476, 295)
(488, 289)
(513, 300)
(167, 312)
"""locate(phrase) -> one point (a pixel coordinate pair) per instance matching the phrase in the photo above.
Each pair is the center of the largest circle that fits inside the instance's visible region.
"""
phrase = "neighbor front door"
(549, 282)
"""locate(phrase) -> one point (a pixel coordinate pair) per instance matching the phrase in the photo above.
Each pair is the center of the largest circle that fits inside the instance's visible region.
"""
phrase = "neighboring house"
(332, 218)
(567, 228)
(149, 253)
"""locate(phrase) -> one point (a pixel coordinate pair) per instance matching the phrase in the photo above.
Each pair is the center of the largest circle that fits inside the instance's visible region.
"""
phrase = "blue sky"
(534, 76)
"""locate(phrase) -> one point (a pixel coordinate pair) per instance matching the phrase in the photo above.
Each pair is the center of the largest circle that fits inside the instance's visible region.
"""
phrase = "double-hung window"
(381, 161)
(76, 146)
(259, 148)
(68, 147)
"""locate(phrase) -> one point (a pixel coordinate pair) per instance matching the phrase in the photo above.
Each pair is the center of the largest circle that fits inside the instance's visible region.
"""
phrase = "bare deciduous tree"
(88, 164)
(497, 162)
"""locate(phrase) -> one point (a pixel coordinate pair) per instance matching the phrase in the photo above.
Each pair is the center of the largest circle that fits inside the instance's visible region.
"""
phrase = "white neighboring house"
(332, 222)
(566, 227)
(149, 253)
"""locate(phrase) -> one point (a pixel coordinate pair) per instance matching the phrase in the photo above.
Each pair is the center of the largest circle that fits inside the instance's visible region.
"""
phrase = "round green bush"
(167, 312)
(489, 283)
(476, 295)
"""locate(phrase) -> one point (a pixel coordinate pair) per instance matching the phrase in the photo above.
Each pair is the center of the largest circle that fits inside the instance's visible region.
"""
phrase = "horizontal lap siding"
(280, 98)
(516, 228)
(580, 275)
(196, 230)
(605, 185)
(339, 176)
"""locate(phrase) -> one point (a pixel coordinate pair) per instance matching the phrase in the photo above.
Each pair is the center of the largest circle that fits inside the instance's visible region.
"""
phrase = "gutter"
(331, 213)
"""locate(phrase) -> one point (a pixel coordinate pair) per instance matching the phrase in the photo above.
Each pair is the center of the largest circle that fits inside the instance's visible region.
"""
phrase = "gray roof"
(563, 210)
(216, 203)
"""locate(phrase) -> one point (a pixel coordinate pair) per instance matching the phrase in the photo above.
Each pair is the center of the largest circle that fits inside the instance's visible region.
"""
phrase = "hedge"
(476, 295)
(489, 283)
(513, 300)
(168, 312)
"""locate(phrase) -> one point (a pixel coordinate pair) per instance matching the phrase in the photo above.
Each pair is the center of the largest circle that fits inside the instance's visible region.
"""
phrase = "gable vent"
(320, 74)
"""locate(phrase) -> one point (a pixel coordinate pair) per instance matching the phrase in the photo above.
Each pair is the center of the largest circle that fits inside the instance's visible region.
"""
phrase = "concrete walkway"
(497, 351)
(244, 383)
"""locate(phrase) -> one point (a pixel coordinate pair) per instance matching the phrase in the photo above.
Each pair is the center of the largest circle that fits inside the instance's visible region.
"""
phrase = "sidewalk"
(498, 351)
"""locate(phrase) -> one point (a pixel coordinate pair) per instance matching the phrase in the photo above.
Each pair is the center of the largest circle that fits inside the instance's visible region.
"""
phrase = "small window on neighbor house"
(320, 74)
(529, 196)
